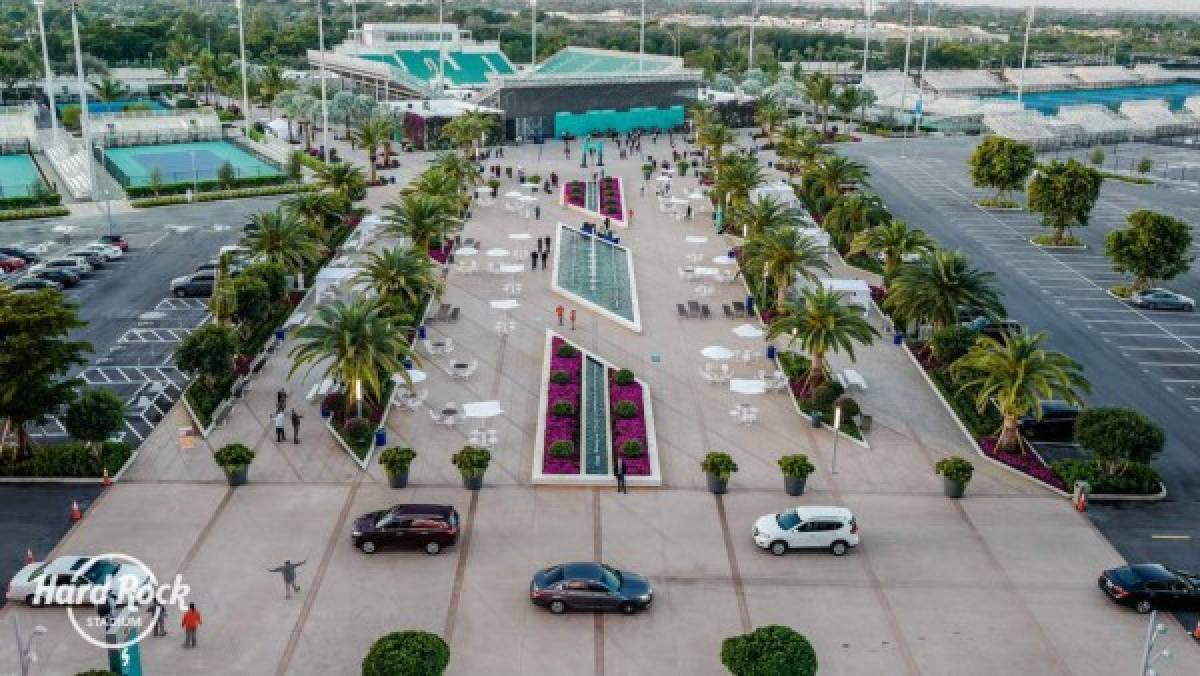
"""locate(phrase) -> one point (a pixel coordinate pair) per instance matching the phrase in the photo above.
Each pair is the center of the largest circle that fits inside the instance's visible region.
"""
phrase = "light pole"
(753, 21)
(1024, 54)
(1153, 631)
(441, 49)
(242, 46)
(25, 646)
(195, 177)
(46, 65)
(866, 37)
(533, 42)
(674, 41)
(837, 425)
(84, 124)
(324, 105)
(907, 54)
(642, 38)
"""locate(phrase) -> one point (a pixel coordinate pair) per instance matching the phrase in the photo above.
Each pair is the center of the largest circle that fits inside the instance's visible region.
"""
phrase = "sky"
(1176, 5)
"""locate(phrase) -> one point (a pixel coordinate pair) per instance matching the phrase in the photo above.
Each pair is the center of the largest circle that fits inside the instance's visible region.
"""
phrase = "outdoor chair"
(739, 309)
(705, 312)
(683, 313)
(727, 311)
(437, 417)
(443, 312)
(694, 308)
(453, 316)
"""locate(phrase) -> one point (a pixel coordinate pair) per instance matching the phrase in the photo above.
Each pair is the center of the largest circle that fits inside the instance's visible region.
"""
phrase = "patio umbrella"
(747, 386)
(482, 409)
(466, 251)
(512, 193)
(695, 196)
(520, 235)
(695, 239)
(716, 352)
(748, 331)
(505, 304)
(414, 375)
(724, 260)
(496, 253)
(663, 178)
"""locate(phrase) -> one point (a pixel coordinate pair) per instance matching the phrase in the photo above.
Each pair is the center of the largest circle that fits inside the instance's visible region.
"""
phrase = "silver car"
(77, 265)
(1162, 299)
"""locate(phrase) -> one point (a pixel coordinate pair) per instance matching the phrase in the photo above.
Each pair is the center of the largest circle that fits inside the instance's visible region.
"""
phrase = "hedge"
(40, 212)
(208, 185)
(73, 459)
(52, 199)
(218, 195)
(1137, 479)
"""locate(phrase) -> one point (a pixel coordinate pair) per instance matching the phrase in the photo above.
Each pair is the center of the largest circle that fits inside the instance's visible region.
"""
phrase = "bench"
(855, 379)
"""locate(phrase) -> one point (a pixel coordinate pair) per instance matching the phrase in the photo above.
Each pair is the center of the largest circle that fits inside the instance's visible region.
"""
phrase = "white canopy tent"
(854, 291)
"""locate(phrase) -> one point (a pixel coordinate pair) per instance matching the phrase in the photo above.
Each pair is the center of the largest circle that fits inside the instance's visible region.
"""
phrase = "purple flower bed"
(575, 194)
(559, 428)
(610, 198)
(1025, 462)
(437, 254)
(629, 429)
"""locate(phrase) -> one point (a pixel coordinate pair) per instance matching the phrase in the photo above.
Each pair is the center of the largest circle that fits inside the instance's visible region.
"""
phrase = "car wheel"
(367, 547)
(1189, 308)
(180, 293)
(779, 548)
(558, 607)
(1143, 606)
(432, 547)
(627, 608)
(839, 548)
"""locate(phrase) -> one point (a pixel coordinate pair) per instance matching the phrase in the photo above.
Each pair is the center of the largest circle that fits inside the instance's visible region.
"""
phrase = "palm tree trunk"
(1010, 436)
(816, 372)
(371, 162)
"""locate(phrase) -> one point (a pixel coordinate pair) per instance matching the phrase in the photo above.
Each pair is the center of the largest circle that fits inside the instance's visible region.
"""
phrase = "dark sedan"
(1151, 586)
(429, 527)
(34, 284)
(589, 586)
(67, 278)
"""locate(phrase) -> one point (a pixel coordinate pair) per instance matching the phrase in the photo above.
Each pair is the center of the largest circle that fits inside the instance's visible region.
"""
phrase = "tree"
(402, 277)
(469, 130)
(1064, 194)
(1144, 165)
(1002, 164)
(848, 100)
(893, 240)
(156, 179)
(818, 89)
(273, 275)
(407, 653)
(853, 214)
(282, 238)
(1118, 437)
(270, 85)
(226, 174)
(769, 113)
(464, 172)
(761, 215)
(423, 219)
(737, 175)
(95, 417)
(343, 179)
(108, 89)
(820, 323)
(1016, 375)
(834, 171)
(936, 285)
(771, 650)
(370, 136)
(35, 356)
(318, 211)
(714, 138)
(356, 343)
(207, 353)
(1096, 156)
(784, 254)
(801, 146)
(253, 301)
(1154, 246)
(294, 169)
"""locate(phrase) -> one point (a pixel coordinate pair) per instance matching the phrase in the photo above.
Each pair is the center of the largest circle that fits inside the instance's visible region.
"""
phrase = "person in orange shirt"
(559, 311)
(572, 319)
(191, 622)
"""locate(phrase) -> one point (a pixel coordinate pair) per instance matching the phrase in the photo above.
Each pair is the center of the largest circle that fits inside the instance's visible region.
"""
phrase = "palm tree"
(820, 324)
(853, 214)
(108, 89)
(835, 171)
(783, 254)
(756, 217)
(423, 219)
(936, 286)
(343, 179)
(316, 210)
(714, 138)
(737, 175)
(702, 115)
(469, 129)
(282, 238)
(358, 343)
(769, 113)
(894, 240)
(866, 99)
(402, 277)
(1017, 374)
(370, 136)
(437, 182)
(818, 88)
(800, 145)
(464, 171)
(848, 101)
(270, 85)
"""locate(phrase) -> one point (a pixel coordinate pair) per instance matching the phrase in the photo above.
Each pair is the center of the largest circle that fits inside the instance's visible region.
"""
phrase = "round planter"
(398, 480)
(952, 488)
(716, 485)
(473, 484)
(794, 485)
(236, 476)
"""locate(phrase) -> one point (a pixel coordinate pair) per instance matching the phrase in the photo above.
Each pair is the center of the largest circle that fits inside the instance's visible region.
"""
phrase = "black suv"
(429, 527)
(1056, 424)
(996, 329)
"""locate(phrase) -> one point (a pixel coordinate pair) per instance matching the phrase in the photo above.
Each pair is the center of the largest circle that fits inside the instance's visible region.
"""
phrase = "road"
(35, 516)
(1146, 360)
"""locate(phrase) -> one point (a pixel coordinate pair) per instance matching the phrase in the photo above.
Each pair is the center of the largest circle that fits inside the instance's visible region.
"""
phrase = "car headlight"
(356, 533)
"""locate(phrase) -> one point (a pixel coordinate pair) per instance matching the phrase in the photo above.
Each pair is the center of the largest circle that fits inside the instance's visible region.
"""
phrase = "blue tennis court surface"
(17, 176)
(183, 162)
(1113, 97)
(115, 106)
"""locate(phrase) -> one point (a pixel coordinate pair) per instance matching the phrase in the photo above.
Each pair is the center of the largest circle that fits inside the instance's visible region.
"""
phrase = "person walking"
(191, 622)
(537, 210)
(619, 473)
(533, 256)
(572, 319)
(280, 420)
(296, 426)
(547, 240)
(559, 311)
(288, 571)
(281, 399)
(545, 254)
(629, 221)
(160, 617)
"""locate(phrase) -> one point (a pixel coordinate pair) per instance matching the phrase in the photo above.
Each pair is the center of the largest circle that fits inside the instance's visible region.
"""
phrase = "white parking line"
(1139, 348)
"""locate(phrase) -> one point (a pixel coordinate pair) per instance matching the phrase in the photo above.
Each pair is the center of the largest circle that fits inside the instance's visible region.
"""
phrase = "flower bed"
(1027, 463)
(438, 255)
(629, 429)
(610, 198)
(575, 194)
(562, 427)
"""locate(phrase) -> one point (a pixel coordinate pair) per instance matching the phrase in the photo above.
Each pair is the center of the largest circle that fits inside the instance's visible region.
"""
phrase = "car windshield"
(611, 577)
(101, 571)
(384, 519)
(787, 520)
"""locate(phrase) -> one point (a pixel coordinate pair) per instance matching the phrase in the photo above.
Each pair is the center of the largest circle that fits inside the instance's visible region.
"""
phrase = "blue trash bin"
(380, 437)
(280, 335)
(749, 305)
(770, 352)
(898, 338)
(408, 363)
(421, 332)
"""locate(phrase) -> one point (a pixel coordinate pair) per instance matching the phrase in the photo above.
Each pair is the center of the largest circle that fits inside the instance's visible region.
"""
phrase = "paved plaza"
(1001, 582)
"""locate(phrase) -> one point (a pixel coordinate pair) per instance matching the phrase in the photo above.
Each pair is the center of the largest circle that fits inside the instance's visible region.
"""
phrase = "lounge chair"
(727, 311)
(739, 309)
(683, 313)
(453, 316)
(705, 312)
(694, 308)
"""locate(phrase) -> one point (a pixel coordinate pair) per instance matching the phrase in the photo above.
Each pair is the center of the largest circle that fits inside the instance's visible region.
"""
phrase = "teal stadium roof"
(584, 61)
(463, 69)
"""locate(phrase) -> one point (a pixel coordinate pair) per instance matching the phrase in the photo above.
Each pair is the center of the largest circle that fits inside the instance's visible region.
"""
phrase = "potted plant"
(956, 474)
(647, 169)
(472, 462)
(796, 469)
(235, 460)
(494, 185)
(682, 166)
(395, 462)
(718, 467)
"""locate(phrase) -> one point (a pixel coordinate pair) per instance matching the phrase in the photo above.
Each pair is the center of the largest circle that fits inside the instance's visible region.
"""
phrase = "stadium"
(574, 92)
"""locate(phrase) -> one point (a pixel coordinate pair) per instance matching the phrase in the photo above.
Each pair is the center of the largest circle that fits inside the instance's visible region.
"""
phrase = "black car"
(64, 277)
(589, 586)
(18, 252)
(996, 329)
(1151, 586)
(429, 527)
(34, 284)
(196, 284)
(1057, 422)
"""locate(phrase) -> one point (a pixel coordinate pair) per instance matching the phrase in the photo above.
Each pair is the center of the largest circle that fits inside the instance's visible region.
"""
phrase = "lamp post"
(441, 49)
(674, 42)
(1153, 631)
(25, 646)
(242, 46)
(324, 105)
(533, 42)
(1024, 54)
(866, 37)
(46, 65)
(642, 38)
(837, 425)
(84, 124)
(753, 21)
(358, 395)
(195, 177)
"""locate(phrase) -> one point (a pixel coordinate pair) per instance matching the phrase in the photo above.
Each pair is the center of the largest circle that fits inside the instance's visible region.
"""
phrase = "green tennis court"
(184, 162)
(17, 176)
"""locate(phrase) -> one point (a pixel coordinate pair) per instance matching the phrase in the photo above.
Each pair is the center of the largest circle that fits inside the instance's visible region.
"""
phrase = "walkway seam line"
(464, 548)
(739, 589)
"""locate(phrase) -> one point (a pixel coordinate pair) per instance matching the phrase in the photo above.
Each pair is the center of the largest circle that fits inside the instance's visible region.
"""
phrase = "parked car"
(430, 527)
(106, 251)
(994, 328)
(1057, 422)
(79, 573)
(34, 284)
(832, 528)
(195, 284)
(77, 265)
(19, 252)
(11, 263)
(115, 240)
(1162, 299)
(589, 586)
(62, 276)
(94, 259)
(235, 266)
(1151, 586)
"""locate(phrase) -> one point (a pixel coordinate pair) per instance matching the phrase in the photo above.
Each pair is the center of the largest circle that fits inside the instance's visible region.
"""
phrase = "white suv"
(832, 528)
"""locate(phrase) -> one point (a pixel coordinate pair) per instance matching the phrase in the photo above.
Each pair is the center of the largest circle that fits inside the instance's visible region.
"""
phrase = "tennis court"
(17, 176)
(118, 106)
(1049, 102)
(183, 162)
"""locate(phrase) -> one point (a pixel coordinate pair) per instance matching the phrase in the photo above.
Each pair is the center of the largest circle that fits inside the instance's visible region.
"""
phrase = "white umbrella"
(695, 196)
(512, 268)
(724, 260)
(482, 409)
(528, 198)
(414, 375)
(372, 219)
(505, 304)
(466, 251)
(742, 386)
(716, 352)
(748, 331)
(695, 239)
(496, 253)
(520, 235)
(663, 178)
(512, 193)
(677, 200)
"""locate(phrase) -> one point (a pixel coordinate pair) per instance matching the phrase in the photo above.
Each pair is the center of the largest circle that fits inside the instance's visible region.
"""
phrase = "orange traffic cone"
(1081, 503)
(76, 514)
(105, 480)
(1196, 632)
(28, 556)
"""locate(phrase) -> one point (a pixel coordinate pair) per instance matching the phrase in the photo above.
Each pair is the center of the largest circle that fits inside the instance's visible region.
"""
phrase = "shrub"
(1118, 436)
(849, 406)
(407, 653)
(207, 352)
(1144, 165)
(951, 342)
(718, 463)
(1096, 155)
(1121, 290)
(233, 456)
(824, 396)
(1135, 478)
(955, 468)
(564, 409)
(562, 449)
(95, 416)
(632, 449)
(396, 460)
(794, 364)
(471, 461)
(771, 650)
(39, 212)
(625, 409)
(796, 465)
(560, 377)
(567, 350)
(219, 195)
(357, 432)
(67, 460)
(624, 377)
(43, 199)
